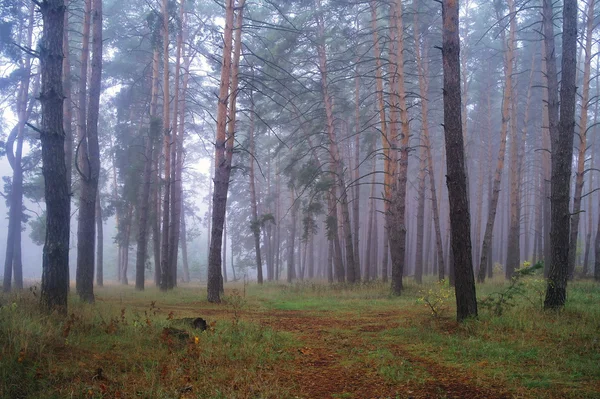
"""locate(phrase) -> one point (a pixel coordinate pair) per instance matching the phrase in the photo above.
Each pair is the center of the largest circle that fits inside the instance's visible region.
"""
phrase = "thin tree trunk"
(583, 127)
(256, 225)
(225, 253)
(337, 168)
(356, 203)
(371, 227)
(184, 251)
(291, 270)
(165, 271)
(12, 261)
(586, 262)
(89, 151)
(177, 153)
(385, 137)
(425, 151)
(493, 206)
(100, 245)
(145, 197)
(224, 138)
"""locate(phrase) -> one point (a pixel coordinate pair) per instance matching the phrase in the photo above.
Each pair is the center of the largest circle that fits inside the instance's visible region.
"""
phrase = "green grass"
(273, 341)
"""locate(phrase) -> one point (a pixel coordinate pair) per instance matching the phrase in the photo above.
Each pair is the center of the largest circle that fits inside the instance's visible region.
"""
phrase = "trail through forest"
(336, 350)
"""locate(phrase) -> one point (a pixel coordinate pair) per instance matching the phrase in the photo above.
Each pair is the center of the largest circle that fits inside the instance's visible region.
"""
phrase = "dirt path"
(333, 360)
(323, 372)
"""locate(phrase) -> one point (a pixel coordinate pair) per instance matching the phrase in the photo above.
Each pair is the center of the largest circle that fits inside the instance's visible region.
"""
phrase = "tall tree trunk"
(224, 142)
(506, 101)
(165, 271)
(583, 127)
(209, 213)
(371, 227)
(546, 165)
(562, 146)
(356, 203)
(100, 245)
(426, 159)
(89, 160)
(155, 204)
(513, 247)
(145, 197)
(291, 270)
(396, 219)
(55, 260)
(385, 136)
(224, 275)
(177, 155)
(337, 168)
(184, 251)
(256, 225)
(67, 104)
(586, 262)
(466, 301)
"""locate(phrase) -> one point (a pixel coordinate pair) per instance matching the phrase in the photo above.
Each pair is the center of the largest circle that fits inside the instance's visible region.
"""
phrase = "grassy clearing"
(302, 340)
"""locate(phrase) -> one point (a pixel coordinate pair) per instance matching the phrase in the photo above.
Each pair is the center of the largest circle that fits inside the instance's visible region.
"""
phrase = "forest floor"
(307, 340)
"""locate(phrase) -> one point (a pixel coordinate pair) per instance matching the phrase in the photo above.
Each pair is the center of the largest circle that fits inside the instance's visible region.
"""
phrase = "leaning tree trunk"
(426, 159)
(337, 168)
(55, 260)
(12, 261)
(466, 301)
(562, 146)
(493, 205)
(89, 162)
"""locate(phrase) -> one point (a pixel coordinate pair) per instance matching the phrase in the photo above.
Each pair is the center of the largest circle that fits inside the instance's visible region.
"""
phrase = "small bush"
(437, 299)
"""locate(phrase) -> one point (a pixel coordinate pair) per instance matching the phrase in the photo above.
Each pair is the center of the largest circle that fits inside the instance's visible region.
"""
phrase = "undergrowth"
(119, 346)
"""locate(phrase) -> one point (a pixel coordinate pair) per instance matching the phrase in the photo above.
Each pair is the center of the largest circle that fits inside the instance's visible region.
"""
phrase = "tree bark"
(583, 127)
(466, 301)
(562, 146)
(184, 251)
(508, 83)
(165, 271)
(89, 159)
(55, 260)
(67, 107)
(396, 220)
(100, 245)
(356, 203)
(145, 197)
(256, 225)
(177, 151)
(224, 144)
(337, 168)
(12, 261)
